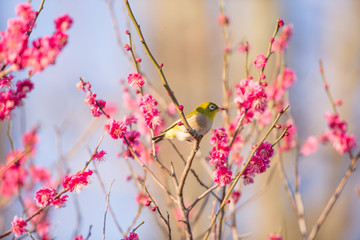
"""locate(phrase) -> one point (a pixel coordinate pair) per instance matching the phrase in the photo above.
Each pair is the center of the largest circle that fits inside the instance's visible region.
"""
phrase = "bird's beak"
(221, 108)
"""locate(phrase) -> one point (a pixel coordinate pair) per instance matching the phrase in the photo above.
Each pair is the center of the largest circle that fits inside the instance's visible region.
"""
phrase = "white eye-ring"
(212, 107)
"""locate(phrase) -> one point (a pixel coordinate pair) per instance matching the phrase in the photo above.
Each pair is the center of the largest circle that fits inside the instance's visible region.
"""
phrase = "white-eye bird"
(200, 119)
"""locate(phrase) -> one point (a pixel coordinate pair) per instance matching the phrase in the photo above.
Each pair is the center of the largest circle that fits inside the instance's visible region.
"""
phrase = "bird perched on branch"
(200, 119)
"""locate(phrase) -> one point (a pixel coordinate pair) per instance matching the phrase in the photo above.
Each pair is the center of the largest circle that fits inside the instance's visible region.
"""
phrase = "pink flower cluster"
(15, 173)
(276, 90)
(250, 95)
(281, 41)
(10, 99)
(223, 19)
(259, 162)
(77, 181)
(148, 108)
(30, 139)
(218, 157)
(46, 196)
(132, 138)
(336, 134)
(136, 80)
(99, 156)
(13, 176)
(243, 47)
(275, 236)
(40, 175)
(142, 199)
(13, 41)
(144, 114)
(132, 236)
(116, 129)
(220, 150)
(18, 226)
(260, 61)
(289, 141)
(43, 52)
(309, 146)
(97, 106)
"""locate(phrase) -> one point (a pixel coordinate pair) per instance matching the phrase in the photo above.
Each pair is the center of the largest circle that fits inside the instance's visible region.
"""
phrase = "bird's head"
(209, 109)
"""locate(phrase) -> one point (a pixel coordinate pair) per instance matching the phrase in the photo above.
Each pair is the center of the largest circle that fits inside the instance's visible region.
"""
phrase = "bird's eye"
(212, 107)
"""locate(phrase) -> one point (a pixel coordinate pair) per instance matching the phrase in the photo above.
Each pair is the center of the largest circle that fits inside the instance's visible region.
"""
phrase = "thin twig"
(107, 207)
(8, 132)
(298, 199)
(147, 169)
(232, 140)
(287, 185)
(140, 207)
(136, 228)
(41, 7)
(29, 233)
(327, 86)
(104, 192)
(204, 194)
(167, 223)
(225, 74)
(110, 5)
(89, 233)
(262, 190)
(269, 52)
(333, 199)
(246, 60)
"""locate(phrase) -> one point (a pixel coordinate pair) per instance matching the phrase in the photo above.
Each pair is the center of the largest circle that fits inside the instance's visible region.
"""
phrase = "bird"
(200, 119)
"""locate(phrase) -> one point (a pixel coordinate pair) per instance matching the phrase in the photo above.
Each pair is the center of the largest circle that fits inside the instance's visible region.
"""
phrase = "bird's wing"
(172, 125)
(188, 118)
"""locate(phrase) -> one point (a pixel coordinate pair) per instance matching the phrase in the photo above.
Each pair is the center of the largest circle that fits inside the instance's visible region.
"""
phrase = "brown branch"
(192, 170)
(185, 212)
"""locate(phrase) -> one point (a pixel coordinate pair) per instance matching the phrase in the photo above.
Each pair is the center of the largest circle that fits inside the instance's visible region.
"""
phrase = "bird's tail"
(158, 138)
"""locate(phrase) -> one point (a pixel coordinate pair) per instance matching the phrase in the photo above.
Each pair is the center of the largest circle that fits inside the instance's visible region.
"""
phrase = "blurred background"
(186, 37)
